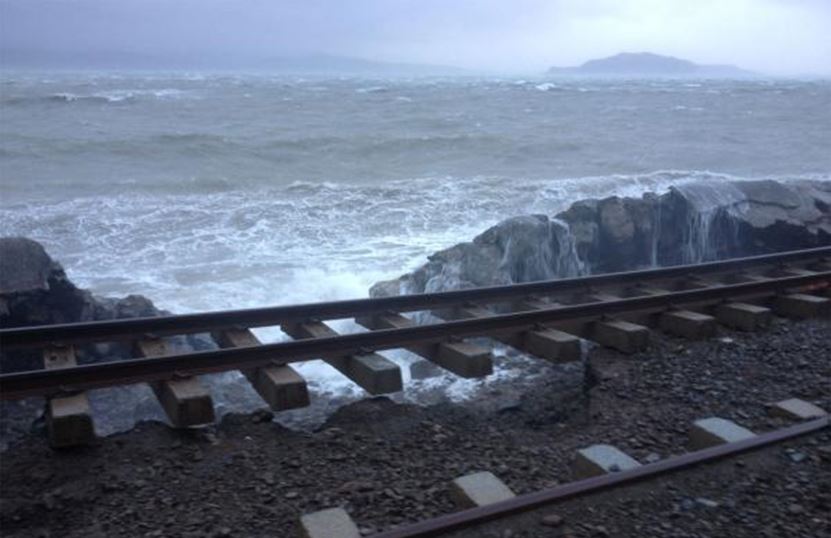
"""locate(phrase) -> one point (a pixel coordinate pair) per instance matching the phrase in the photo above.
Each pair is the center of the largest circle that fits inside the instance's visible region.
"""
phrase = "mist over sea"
(208, 192)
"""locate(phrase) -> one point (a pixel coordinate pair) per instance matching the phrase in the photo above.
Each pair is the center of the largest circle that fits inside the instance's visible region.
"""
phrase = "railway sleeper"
(785, 270)
(279, 385)
(621, 335)
(185, 400)
(602, 459)
(546, 343)
(692, 282)
(591, 296)
(628, 331)
(801, 305)
(688, 324)
(713, 431)
(328, 523)
(533, 302)
(68, 417)
(743, 316)
(374, 373)
(479, 489)
(623, 332)
(821, 265)
(462, 358)
(641, 289)
(796, 409)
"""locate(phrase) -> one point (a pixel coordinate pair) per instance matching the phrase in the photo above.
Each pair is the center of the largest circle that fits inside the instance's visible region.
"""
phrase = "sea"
(211, 191)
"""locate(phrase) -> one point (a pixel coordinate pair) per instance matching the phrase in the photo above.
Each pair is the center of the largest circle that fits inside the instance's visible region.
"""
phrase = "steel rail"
(97, 331)
(523, 503)
(47, 382)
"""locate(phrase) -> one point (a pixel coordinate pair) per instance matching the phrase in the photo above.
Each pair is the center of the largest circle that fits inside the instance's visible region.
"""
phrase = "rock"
(693, 222)
(509, 405)
(35, 290)
(600, 531)
(795, 455)
(24, 266)
(261, 416)
(520, 249)
(552, 520)
(708, 503)
(423, 369)
(686, 504)
(652, 458)
(132, 306)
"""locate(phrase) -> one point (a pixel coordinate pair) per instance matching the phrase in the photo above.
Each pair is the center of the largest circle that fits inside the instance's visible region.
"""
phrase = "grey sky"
(775, 36)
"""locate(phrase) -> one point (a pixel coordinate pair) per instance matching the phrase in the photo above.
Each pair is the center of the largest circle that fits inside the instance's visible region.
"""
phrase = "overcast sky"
(773, 36)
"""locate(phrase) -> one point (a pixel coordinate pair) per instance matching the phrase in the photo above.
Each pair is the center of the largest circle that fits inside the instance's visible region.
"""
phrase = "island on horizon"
(649, 64)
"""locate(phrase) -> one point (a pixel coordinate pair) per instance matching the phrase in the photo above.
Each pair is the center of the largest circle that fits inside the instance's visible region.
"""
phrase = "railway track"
(511, 506)
(545, 319)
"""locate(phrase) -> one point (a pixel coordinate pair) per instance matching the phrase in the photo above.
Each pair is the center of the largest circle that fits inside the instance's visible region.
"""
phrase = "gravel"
(388, 463)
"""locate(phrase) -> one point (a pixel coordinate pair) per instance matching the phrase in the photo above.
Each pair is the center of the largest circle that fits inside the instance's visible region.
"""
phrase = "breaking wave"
(104, 97)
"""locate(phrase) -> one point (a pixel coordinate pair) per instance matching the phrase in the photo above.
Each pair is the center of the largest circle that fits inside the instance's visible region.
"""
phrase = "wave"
(373, 89)
(547, 87)
(104, 97)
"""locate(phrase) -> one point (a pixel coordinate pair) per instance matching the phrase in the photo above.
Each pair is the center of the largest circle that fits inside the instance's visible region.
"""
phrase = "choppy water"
(207, 192)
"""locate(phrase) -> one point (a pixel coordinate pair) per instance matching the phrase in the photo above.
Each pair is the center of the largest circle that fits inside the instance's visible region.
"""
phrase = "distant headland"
(650, 65)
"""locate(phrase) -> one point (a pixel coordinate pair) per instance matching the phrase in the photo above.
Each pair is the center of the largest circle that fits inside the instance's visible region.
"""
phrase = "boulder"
(35, 290)
(692, 223)
(520, 249)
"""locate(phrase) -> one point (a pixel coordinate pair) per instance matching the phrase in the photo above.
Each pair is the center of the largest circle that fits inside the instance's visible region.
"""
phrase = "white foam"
(546, 86)
(372, 89)
(120, 95)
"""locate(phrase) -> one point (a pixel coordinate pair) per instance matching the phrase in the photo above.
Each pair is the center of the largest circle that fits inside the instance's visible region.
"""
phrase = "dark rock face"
(520, 249)
(34, 290)
(692, 223)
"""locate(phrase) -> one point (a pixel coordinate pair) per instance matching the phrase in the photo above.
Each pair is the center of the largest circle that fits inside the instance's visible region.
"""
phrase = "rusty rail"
(51, 382)
(476, 516)
(261, 317)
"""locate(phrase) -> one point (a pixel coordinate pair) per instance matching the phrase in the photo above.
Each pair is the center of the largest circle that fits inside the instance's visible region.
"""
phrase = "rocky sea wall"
(691, 223)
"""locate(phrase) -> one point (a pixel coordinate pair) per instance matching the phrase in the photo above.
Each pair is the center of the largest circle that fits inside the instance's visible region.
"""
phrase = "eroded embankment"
(692, 222)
